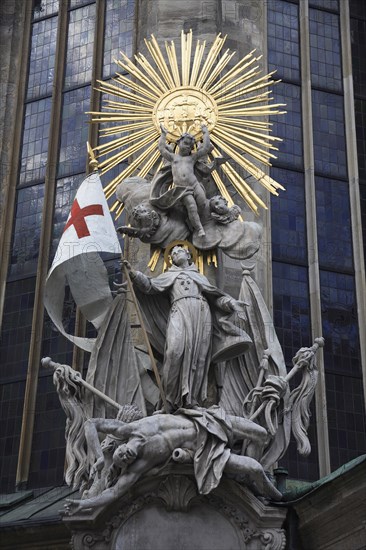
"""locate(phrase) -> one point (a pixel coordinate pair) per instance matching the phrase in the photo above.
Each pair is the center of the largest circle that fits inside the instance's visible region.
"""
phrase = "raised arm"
(164, 151)
(206, 143)
(109, 426)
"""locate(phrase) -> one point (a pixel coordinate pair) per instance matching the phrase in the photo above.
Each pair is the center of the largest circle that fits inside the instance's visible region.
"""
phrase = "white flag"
(89, 230)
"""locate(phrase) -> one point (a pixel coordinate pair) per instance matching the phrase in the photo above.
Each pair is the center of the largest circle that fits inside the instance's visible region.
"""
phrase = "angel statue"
(186, 188)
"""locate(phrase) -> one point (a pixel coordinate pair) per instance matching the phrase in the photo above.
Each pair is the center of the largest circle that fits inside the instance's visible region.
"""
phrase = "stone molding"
(256, 525)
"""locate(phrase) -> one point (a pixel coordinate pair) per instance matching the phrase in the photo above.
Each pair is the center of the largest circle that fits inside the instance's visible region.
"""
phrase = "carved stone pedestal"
(166, 512)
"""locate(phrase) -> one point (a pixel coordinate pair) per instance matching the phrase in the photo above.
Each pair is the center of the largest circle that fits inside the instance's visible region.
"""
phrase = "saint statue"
(192, 324)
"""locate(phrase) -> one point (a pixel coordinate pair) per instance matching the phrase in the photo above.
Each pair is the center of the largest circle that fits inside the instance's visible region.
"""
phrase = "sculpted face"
(141, 213)
(124, 455)
(185, 143)
(219, 205)
(180, 256)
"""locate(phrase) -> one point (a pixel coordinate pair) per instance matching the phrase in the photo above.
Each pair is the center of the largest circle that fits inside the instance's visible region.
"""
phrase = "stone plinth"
(166, 512)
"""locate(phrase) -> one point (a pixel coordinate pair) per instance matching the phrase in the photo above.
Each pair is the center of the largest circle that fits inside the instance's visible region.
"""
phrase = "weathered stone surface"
(166, 512)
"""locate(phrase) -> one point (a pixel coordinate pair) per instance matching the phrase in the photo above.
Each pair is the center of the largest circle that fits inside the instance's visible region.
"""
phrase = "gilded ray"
(259, 98)
(114, 206)
(121, 79)
(230, 133)
(265, 180)
(240, 184)
(236, 79)
(124, 128)
(258, 85)
(252, 124)
(121, 106)
(111, 187)
(254, 111)
(105, 148)
(199, 87)
(149, 164)
(210, 60)
(200, 48)
(172, 57)
(235, 83)
(125, 94)
(186, 45)
(151, 72)
(232, 73)
(225, 59)
(119, 157)
(157, 56)
(137, 73)
(251, 136)
(119, 210)
(241, 145)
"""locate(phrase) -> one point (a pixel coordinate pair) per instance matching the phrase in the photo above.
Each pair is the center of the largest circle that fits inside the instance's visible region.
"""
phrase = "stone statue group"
(225, 405)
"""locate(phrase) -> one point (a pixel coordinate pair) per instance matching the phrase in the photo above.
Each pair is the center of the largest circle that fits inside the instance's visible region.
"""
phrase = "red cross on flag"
(89, 230)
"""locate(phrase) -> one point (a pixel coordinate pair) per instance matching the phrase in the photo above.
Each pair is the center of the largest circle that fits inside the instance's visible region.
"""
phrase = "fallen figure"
(150, 443)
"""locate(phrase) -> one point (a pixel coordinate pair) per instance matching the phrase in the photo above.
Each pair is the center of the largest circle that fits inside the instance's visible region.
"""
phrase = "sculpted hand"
(163, 130)
(204, 128)
(127, 266)
(237, 305)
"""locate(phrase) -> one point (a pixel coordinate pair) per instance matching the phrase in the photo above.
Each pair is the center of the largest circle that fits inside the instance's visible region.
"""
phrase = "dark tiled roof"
(33, 507)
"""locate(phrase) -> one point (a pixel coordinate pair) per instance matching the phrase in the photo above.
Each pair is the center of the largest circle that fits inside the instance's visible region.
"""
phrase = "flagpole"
(146, 338)
(93, 163)
(47, 362)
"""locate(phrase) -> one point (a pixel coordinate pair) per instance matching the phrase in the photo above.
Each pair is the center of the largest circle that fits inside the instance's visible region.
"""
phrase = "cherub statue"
(146, 222)
(221, 212)
(190, 191)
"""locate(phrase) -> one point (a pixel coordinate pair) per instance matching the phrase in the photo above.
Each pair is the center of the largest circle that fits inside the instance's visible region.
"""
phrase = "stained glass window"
(48, 449)
(329, 138)
(358, 34)
(74, 131)
(334, 224)
(35, 141)
(346, 418)
(80, 44)
(16, 329)
(340, 327)
(288, 126)
(288, 219)
(325, 50)
(79, 3)
(283, 40)
(27, 231)
(291, 307)
(291, 317)
(360, 112)
(357, 9)
(11, 412)
(42, 59)
(43, 8)
(325, 4)
(119, 25)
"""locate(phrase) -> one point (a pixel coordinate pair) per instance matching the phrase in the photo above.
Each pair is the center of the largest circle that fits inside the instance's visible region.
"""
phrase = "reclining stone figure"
(149, 444)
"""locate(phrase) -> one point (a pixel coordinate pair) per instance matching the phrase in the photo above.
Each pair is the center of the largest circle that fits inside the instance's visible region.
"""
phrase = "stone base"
(167, 513)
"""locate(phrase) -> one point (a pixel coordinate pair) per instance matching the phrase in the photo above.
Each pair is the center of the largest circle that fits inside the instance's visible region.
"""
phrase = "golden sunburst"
(235, 106)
